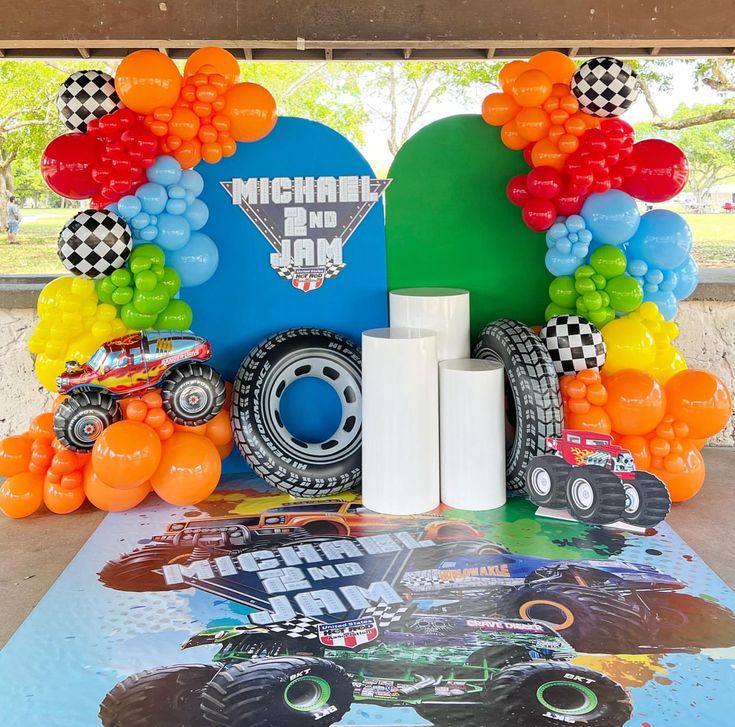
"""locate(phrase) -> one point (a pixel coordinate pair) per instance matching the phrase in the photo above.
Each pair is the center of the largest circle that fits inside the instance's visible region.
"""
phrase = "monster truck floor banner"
(258, 610)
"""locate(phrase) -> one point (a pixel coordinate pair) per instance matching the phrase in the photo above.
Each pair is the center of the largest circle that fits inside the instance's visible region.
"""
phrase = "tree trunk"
(4, 194)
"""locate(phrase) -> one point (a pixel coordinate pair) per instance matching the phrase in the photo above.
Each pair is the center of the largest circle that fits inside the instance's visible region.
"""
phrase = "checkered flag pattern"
(301, 627)
(332, 270)
(386, 614)
(605, 86)
(84, 96)
(574, 344)
(94, 243)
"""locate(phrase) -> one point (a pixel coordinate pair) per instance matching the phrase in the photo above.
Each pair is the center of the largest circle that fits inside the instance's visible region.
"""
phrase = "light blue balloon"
(585, 236)
(580, 249)
(128, 206)
(141, 220)
(612, 217)
(176, 206)
(575, 223)
(564, 246)
(197, 214)
(573, 237)
(637, 268)
(655, 276)
(666, 302)
(669, 281)
(148, 233)
(152, 198)
(687, 277)
(663, 239)
(165, 170)
(190, 197)
(176, 191)
(192, 181)
(113, 208)
(196, 262)
(556, 231)
(173, 232)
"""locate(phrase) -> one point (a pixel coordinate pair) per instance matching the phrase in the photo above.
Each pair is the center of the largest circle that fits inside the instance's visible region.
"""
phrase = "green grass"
(714, 241)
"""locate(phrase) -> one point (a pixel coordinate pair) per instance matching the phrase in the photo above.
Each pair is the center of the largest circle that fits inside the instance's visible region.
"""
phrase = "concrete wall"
(707, 340)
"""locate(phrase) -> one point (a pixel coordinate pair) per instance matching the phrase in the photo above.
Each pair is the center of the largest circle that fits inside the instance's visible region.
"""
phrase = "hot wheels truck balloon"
(596, 480)
(192, 392)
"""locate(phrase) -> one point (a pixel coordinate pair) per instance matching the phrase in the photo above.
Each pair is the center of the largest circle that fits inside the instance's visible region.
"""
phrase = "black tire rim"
(193, 399)
(87, 428)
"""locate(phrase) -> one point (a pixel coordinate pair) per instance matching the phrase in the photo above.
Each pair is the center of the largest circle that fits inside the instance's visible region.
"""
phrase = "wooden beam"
(407, 53)
(84, 53)
(489, 53)
(248, 54)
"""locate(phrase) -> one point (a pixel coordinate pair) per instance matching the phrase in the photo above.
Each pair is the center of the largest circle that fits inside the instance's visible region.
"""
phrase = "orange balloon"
(41, 455)
(569, 103)
(61, 500)
(189, 470)
(545, 154)
(700, 443)
(638, 447)
(42, 426)
(166, 430)
(219, 429)
(636, 402)
(700, 400)
(108, 498)
(189, 153)
(510, 72)
(595, 420)
(200, 429)
(63, 462)
(71, 481)
(220, 60)
(532, 88)
(184, 123)
(685, 473)
(532, 123)
(224, 449)
(511, 137)
(15, 455)
(155, 418)
(136, 410)
(252, 111)
(211, 152)
(21, 495)
(499, 108)
(558, 67)
(147, 79)
(228, 395)
(153, 399)
(555, 133)
(575, 126)
(126, 454)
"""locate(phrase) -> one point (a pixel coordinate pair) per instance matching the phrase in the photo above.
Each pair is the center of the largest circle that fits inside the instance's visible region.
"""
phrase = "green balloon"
(171, 281)
(177, 316)
(146, 280)
(625, 293)
(139, 264)
(601, 317)
(151, 302)
(609, 261)
(581, 307)
(158, 270)
(584, 285)
(584, 271)
(605, 299)
(600, 281)
(105, 288)
(153, 252)
(121, 277)
(562, 292)
(123, 295)
(592, 301)
(134, 319)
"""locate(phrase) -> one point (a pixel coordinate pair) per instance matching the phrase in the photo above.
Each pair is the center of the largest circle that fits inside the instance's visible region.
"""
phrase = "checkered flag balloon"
(574, 344)
(94, 243)
(84, 96)
(605, 86)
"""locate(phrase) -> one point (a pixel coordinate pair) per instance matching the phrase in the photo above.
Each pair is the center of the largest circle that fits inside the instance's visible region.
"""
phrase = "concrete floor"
(36, 550)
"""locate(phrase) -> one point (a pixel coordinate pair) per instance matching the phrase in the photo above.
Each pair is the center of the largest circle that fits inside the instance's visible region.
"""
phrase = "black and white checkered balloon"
(84, 96)
(94, 243)
(605, 86)
(574, 343)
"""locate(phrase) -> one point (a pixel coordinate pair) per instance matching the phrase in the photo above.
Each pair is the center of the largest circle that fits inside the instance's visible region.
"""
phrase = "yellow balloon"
(669, 361)
(55, 349)
(118, 328)
(106, 312)
(83, 287)
(81, 348)
(629, 345)
(48, 298)
(47, 369)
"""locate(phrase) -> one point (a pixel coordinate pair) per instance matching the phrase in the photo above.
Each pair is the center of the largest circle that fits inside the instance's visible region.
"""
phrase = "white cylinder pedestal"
(400, 421)
(443, 310)
(472, 426)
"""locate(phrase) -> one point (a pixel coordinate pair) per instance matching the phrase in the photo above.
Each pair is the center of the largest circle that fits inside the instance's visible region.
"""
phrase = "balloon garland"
(618, 276)
(133, 142)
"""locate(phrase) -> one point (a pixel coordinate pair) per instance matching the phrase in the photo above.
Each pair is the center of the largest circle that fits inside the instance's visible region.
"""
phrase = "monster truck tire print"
(546, 481)
(426, 558)
(300, 468)
(140, 570)
(82, 417)
(193, 393)
(165, 697)
(498, 657)
(278, 692)
(533, 399)
(595, 495)
(554, 693)
(647, 501)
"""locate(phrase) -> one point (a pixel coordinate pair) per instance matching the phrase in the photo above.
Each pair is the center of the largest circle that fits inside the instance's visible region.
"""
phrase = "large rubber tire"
(192, 393)
(546, 481)
(300, 468)
(595, 495)
(647, 501)
(553, 693)
(280, 692)
(165, 697)
(136, 571)
(83, 416)
(533, 399)
(686, 621)
(592, 620)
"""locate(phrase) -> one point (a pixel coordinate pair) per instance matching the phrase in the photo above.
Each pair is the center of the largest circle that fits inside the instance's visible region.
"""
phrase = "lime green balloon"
(158, 270)
(584, 285)
(584, 271)
(121, 277)
(123, 295)
(146, 280)
(625, 293)
(605, 299)
(562, 291)
(609, 261)
(592, 300)
(177, 316)
(600, 281)
(171, 281)
(148, 250)
(105, 288)
(553, 310)
(139, 264)
(151, 302)
(601, 317)
(134, 319)
(581, 307)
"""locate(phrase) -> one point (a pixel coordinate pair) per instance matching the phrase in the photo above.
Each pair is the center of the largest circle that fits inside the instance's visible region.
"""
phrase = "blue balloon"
(637, 268)
(148, 233)
(687, 277)
(152, 198)
(165, 170)
(666, 302)
(612, 217)
(141, 220)
(663, 240)
(559, 263)
(197, 214)
(113, 208)
(176, 191)
(128, 206)
(196, 262)
(176, 206)
(191, 181)
(173, 232)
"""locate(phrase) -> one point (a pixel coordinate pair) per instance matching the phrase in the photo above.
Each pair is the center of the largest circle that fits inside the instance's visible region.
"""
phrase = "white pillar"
(400, 421)
(472, 426)
(444, 310)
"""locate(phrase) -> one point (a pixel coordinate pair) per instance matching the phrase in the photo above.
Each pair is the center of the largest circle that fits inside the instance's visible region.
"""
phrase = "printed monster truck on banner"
(306, 220)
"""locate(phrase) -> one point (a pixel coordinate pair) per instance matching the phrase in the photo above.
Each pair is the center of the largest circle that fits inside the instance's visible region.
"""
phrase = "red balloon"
(516, 190)
(661, 171)
(67, 164)
(544, 182)
(527, 155)
(539, 214)
(569, 202)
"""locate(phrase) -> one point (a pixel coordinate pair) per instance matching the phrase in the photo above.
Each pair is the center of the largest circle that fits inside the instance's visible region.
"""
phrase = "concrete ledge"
(715, 284)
